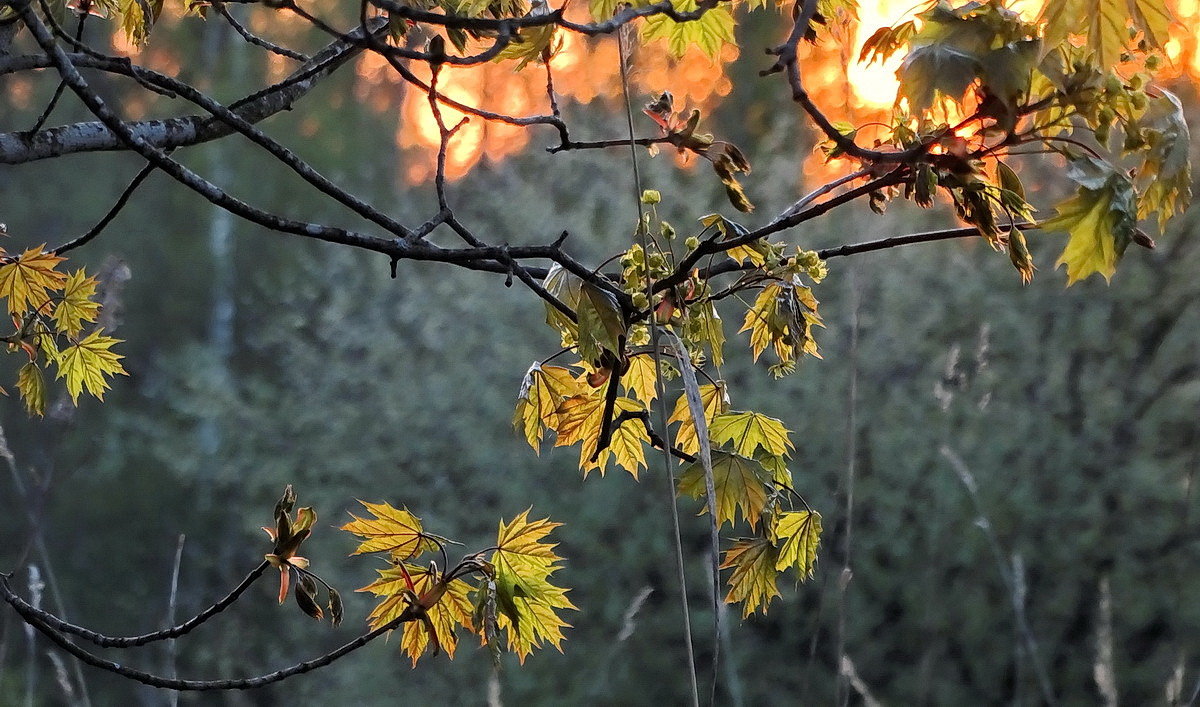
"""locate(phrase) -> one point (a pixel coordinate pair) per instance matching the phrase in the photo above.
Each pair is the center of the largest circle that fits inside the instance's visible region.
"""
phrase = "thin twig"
(58, 625)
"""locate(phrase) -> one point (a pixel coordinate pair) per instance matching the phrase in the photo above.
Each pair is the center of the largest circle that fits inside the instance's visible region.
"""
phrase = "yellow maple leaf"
(392, 530)
(579, 418)
(748, 430)
(715, 400)
(446, 610)
(33, 389)
(753, 579)
(641, 378)
(542, 391)
(86, 363)
(27, 279)
(526, 599)
(802, 530)
(77, 305)
(739, 483)
(764, 320)
(626, 444)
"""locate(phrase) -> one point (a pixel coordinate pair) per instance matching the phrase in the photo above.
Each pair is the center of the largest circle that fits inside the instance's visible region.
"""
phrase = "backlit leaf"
(641, 378)
(601, 325)
(392, 530)
(27, 279)
(749, 430)
(801, 532)
(739, 483)
(627, 445)
(76, 305)
(753, 579)
(527, 601)
(33, 389)
(451, 609)
(88, 364)
(713, 29)
(1100, 219)
(542, 391)
(714, 397)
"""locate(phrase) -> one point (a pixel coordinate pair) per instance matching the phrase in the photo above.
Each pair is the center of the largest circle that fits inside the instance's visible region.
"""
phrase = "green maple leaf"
(601, 325)
(739, 483)
(1100, 220)
(542, 390)
(1105, 23)
(715, 400)
(88, 364)
(709, 32)
(626, 446)
(527, 601)
(641, 379)
(748, 430)
(449, 607)
(801, 531)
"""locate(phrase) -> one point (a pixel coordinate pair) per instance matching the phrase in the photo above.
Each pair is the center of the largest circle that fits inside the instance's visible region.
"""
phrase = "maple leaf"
(601, 326)
(714, 398)
(32, 388)
(641, 378)
(27, 279)
(579, 421)
(528, 45)
(392, 530)
(542, 391)
(802, 530)
(778, 318)
(85, 364)
(706, 325)
(713, 29)
(446, 606)
(1165, 176)
(625, 447)
(1105, 23)
(739, 483)
(603, 10)
(76, 305)
(753, 579)
(748, 430)
(527, 600)
(1100, 218)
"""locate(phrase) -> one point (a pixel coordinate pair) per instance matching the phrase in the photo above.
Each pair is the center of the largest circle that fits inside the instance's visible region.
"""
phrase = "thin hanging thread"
(662, 398)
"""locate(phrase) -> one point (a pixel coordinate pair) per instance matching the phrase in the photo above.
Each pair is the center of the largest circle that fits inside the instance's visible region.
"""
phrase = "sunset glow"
(586, 70)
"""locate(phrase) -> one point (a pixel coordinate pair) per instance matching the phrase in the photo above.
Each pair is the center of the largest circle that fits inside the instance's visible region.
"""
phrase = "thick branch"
(169, 133)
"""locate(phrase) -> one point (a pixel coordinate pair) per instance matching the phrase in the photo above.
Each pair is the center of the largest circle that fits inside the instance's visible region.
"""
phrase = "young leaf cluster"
(503, 594)
(600, 398)
(980, 83)
(50, 311)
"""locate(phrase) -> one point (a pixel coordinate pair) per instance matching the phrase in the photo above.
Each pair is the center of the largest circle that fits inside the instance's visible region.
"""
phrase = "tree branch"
(53, 622)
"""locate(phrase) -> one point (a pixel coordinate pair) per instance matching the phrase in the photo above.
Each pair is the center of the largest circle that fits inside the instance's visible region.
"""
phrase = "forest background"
(1007, 439)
